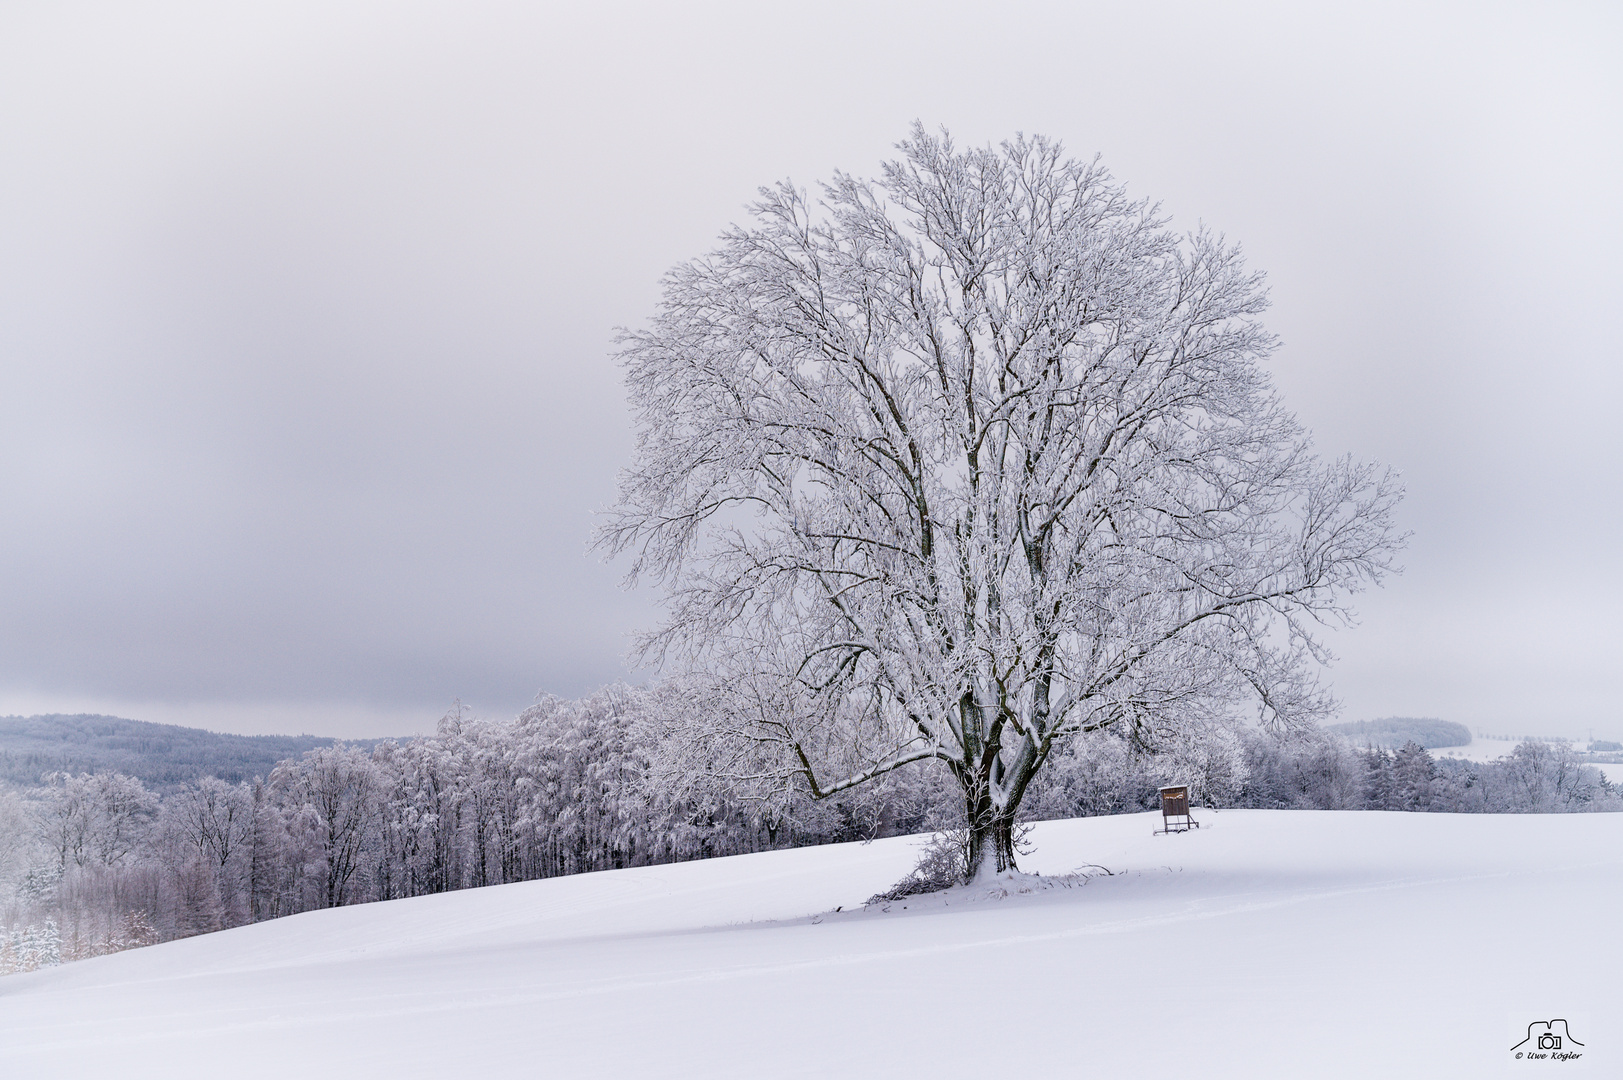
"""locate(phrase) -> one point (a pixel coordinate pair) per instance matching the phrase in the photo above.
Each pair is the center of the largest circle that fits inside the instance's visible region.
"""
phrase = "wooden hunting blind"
(1175, 810)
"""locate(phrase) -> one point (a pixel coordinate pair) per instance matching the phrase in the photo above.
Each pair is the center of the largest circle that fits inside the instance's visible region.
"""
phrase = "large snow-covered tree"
(953, 465)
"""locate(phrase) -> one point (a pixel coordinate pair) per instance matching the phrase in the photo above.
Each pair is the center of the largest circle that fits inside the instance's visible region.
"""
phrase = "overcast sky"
(306, 313)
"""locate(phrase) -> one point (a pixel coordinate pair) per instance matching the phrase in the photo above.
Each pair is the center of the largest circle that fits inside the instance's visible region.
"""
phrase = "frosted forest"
(96, 863)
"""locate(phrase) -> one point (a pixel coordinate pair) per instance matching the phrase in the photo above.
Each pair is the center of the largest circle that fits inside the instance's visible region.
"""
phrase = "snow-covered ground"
(1268, 943)
(1478, 749)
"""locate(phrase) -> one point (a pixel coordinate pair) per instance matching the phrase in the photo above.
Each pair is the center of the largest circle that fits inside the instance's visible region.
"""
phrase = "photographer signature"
(1550, 1039)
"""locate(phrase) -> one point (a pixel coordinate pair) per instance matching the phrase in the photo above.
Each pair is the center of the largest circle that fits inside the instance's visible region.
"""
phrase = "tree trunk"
(991, 837)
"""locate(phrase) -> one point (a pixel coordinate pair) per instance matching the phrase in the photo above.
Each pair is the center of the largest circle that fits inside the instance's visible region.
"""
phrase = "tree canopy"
(957, 463)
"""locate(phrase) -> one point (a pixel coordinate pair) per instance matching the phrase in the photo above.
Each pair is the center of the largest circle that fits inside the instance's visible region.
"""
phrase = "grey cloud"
(306, 313)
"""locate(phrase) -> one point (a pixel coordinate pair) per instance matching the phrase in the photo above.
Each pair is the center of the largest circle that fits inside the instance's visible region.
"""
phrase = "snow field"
(1268, 943)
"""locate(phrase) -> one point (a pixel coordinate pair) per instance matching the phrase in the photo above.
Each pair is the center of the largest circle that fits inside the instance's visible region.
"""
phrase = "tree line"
(1395, 731)
(97, 862)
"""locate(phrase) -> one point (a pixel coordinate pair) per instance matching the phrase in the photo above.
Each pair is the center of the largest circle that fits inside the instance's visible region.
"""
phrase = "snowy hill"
(163, 756)
(1269, 943)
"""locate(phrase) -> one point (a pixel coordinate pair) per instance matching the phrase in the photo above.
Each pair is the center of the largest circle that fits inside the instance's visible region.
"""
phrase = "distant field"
(1479, 749)
(162, 756)
(1490, 749)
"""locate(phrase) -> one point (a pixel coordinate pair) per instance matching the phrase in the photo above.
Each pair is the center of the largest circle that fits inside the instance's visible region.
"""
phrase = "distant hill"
(163, 756)
(1397, 730)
